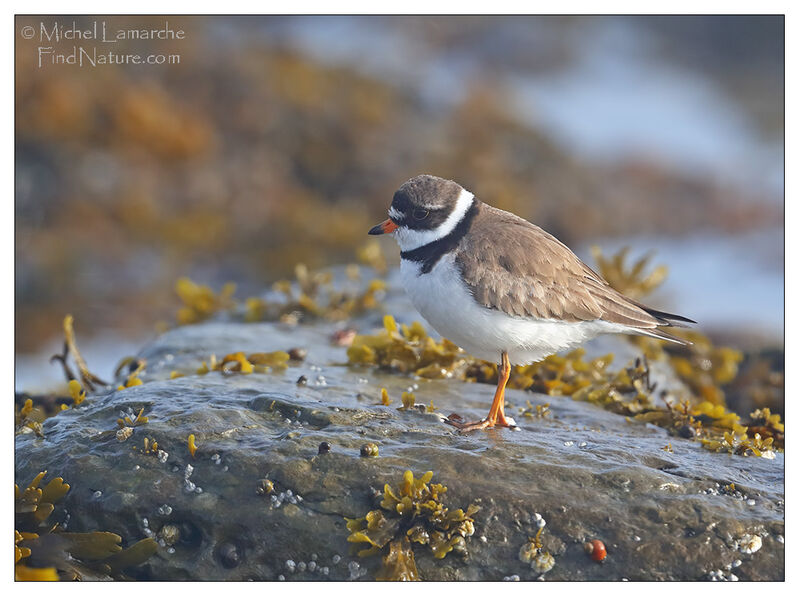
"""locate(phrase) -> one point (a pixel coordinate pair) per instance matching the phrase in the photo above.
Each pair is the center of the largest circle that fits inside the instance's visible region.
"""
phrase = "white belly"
(446, 304)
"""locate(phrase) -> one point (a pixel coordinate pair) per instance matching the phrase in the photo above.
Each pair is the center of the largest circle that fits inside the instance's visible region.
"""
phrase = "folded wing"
(519, 269)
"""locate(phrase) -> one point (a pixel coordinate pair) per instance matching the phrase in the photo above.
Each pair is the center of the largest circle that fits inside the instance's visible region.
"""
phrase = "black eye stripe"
(435, 218)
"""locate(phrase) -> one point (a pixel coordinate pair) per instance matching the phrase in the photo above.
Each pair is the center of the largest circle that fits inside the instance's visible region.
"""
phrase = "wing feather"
(519, 269)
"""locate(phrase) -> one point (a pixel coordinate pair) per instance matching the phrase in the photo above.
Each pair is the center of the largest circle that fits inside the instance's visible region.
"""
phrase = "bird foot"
(501, 421)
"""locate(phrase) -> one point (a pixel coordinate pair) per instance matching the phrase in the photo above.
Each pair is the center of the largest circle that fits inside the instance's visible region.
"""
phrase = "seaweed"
(631, 282)
(411, 513)
(126, 420)
(405, 349)
(137, 367)
(238, 362)
(310, 296)
(87, 378)
(77, 393)
(44, 551)
(29, 418)
(200, 302)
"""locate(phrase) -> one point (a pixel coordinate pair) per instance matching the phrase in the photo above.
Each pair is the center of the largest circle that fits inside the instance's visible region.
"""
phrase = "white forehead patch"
(412, 239)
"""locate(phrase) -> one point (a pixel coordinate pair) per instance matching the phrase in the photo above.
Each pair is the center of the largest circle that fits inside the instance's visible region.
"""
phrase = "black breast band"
(428, 255)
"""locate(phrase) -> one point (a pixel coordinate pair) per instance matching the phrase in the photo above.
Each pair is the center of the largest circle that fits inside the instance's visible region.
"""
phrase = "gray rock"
(589, 473)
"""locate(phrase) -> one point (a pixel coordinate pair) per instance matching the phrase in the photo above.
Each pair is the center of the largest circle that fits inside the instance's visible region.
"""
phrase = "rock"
(590, 473)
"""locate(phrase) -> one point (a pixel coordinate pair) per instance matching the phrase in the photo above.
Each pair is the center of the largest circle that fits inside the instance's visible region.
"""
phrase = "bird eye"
(420, 214)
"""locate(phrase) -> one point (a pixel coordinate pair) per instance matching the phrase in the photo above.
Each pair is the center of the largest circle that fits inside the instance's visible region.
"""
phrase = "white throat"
(412, 239)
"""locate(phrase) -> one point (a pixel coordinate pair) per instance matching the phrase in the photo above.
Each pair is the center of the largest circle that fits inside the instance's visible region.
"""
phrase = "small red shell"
(598, 552)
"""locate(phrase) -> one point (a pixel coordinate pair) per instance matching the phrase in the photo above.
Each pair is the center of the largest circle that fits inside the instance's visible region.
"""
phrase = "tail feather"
(669, 319)
(662, 335)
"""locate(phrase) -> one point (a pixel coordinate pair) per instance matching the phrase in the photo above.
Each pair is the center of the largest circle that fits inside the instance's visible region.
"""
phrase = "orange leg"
(496, 416)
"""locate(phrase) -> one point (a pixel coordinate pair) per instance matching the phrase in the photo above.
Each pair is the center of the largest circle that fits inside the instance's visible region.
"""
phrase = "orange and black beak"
(384, 227)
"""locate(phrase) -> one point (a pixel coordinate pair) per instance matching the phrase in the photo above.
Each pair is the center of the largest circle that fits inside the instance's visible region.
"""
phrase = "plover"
(499, 286)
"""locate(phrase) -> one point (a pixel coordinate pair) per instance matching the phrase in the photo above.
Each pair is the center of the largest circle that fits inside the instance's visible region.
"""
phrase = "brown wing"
(516, 267)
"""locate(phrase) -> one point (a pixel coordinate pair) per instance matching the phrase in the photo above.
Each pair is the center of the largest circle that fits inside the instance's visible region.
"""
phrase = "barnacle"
(45, 552)
(411, 513)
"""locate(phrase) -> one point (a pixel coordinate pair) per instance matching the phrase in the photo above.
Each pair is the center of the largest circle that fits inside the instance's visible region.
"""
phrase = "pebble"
(512, 578)
(301, 566)
(751, 502)
(281, 577)
(290, 565)
(568, 444)
(297, 354)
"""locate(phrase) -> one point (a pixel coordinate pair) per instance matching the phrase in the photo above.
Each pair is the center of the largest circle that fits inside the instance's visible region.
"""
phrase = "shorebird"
(499, 286)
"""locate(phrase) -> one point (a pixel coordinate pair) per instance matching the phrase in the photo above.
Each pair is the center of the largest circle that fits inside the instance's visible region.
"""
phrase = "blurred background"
(279, 140)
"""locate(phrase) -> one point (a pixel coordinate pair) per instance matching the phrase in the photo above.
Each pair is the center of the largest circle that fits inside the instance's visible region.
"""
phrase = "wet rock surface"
(589, 473)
